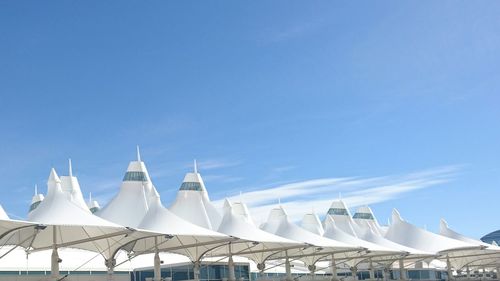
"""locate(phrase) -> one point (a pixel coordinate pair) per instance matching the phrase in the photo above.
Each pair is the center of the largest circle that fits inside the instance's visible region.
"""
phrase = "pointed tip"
(53, 177)
(195, 166)
(36, 189)
(279, 201)
(227, 203)
(396, 216)
(70, 167)
(138, 154)
(443, 224)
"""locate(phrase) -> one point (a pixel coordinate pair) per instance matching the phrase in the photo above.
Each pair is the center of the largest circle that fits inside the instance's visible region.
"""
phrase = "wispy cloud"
(291, 31)
(221, 178)
(298, 197)
(213, 164)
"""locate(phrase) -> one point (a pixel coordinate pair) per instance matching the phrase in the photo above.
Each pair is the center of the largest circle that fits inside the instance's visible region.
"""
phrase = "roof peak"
(70, 167)
(53, 177)
(138, 154)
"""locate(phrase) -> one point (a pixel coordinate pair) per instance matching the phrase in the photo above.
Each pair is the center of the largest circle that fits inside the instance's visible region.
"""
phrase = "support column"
(54, 259)
(498, 273)
(354, 272)
(261, 267)
(468, 272)
(372, 270)
(196, 270)
(402, 273)
(230, 268)
(312, 270)
(157, 263)
(110, 265)
(334, 269)
(288, 269)
(448, 268)
(385, 273)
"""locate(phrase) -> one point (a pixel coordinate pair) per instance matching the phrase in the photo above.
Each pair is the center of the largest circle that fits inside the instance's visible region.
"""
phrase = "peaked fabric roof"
(131, 204)
(312, 223)
(333, 231)
(73, 226)
(181, 236)
(237, 222)
(70, 186)
(365, 218)
(193, 204)
(409, 235)
(445, 230)
(342, 217)
(3, 214)
(368, 229)
(279, 224)
(487, 255)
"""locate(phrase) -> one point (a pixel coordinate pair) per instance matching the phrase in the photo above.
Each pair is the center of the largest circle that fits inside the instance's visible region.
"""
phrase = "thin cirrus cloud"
(213, 164)
(300, 197)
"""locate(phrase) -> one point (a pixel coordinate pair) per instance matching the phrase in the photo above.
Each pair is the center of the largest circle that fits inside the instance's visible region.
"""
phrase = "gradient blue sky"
(400, 97)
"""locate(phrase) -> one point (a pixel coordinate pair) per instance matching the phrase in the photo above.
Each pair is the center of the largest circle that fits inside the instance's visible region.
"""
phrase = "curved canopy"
(368, 229)
(3, 214)
(238, 223)
(62, 222)
(180, 236)
(489, 254)
(279, 224)
(193, 204)
(131, 204)
(409, 235)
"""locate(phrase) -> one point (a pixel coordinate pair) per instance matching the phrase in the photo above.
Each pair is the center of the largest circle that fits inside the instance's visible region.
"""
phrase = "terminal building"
(135, 237)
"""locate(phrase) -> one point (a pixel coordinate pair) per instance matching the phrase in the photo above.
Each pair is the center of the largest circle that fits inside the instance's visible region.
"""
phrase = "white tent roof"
(342, 217)
(74, 226)
(70, 186)
(490, 254)
(238, 223)
(279, 224)
(365, 218)
(181, 236)
(193, 204)
(3, 214)
(333, 231)
(368, 229)
(409, 235)
(131, 204)
(445, 230)
(312, 223)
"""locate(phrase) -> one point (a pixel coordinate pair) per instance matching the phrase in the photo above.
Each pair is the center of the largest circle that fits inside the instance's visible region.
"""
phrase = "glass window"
(135, 176)
(191, 186)
(366, 216)
(338, 211)
(34, 205)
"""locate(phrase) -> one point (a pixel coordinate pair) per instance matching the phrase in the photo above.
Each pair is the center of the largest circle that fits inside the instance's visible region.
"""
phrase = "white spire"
(195, 167)
(138, 154)
(53, 177)
(70, 167)
(279, 201)
(90, 197)
(36, 189)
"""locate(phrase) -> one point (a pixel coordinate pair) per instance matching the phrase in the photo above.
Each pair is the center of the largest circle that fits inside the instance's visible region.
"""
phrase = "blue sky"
(392, 103)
